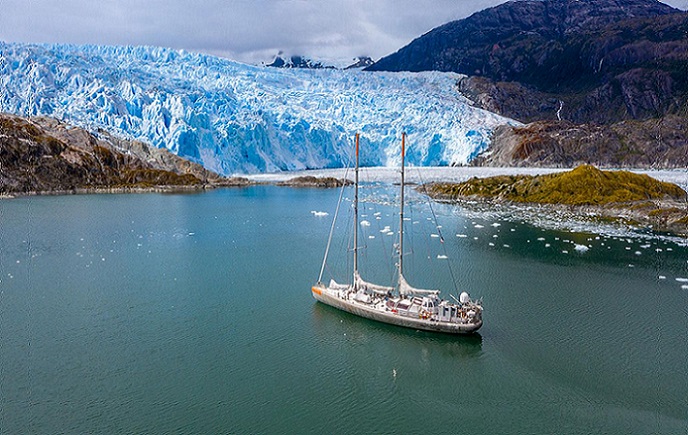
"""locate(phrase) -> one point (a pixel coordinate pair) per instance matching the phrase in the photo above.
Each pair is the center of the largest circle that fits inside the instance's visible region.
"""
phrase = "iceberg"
(241, 119)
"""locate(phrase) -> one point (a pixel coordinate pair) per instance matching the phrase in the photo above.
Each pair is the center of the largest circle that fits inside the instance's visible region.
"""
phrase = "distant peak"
(361, 62)
(297, 61)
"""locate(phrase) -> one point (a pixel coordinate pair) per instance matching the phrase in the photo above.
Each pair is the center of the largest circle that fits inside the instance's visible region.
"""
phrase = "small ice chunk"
(661, 277)
(365, 223)
(541, 239)
(684, 287)
(463, 236)
(638, 253)
(441, 257)
(479, 226)
(435, 236)
(496, 224)
(564, 251)
(371, 237)
(319, 213)
(547, 245)
(682, 279)
(581, 248)
(491, 244)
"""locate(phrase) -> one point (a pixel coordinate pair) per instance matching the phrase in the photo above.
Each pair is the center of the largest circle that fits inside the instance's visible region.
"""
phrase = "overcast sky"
(245, 30)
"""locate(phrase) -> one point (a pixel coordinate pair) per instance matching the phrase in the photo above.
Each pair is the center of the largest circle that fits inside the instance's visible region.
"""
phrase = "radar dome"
(464, 298)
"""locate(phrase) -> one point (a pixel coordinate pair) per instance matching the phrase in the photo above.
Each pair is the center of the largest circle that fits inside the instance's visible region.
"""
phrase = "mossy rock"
(585, 185)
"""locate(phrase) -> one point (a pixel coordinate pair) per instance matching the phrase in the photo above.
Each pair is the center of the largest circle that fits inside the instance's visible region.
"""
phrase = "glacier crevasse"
(236, 118)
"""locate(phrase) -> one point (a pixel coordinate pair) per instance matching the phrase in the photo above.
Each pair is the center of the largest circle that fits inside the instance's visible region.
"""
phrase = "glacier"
(235, 118)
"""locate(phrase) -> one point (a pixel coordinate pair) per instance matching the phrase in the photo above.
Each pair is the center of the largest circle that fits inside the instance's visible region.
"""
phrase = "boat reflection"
(331, 324)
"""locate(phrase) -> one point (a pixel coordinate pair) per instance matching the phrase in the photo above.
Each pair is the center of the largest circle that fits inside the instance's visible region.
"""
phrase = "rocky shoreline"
(625, 198)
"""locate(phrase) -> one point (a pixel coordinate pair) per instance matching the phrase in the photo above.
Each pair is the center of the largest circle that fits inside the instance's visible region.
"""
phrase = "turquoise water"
(193, 313)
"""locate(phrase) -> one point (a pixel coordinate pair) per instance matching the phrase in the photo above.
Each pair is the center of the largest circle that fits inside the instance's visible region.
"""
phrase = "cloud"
(245, 30)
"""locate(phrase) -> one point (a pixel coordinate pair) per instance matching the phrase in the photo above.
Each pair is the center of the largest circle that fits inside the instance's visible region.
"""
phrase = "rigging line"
(334, 221)
(439, 231)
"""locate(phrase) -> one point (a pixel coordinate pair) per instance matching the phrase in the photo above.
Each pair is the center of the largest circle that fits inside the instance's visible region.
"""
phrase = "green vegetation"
(585, 185)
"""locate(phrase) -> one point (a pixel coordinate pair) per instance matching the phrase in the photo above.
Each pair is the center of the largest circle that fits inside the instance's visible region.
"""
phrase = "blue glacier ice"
(236, 118)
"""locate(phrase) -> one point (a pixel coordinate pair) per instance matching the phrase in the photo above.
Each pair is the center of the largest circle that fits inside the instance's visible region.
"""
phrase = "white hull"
(378, 312)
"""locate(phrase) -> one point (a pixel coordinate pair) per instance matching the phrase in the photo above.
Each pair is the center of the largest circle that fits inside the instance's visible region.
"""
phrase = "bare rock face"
(41, 155)
(640, 144)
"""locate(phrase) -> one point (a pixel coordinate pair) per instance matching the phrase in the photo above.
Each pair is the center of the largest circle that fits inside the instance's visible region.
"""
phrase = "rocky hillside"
(653, 143)
(587, 63)
(605, 60)
(42, 155)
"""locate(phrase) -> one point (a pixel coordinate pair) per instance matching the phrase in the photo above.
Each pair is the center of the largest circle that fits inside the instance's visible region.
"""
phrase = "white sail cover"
(405, 288)
(375, 288)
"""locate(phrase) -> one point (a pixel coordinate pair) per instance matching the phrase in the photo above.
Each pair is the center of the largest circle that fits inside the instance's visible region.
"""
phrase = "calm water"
(193, 313)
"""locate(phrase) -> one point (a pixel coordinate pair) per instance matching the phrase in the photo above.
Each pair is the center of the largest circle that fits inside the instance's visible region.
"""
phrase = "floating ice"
(496, 224)
(435, 236)
(682, 279)
(463, 236)
(581, 248)
(479, 226)
(319, 213)
(661, 277)
(684, 286)
(365, 223)
(441, 257)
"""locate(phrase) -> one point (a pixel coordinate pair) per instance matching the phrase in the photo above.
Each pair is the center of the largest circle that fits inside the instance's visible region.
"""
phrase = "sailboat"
(401, 305)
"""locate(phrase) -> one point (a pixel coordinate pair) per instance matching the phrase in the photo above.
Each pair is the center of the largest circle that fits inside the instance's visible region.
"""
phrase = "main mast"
(356, 219)
(401, 210)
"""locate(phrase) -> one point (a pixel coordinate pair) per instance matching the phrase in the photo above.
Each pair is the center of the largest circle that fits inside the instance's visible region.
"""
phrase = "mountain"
(297, 62)
(600, 61)
(361, 62)
(46, 155)
(236, 118)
